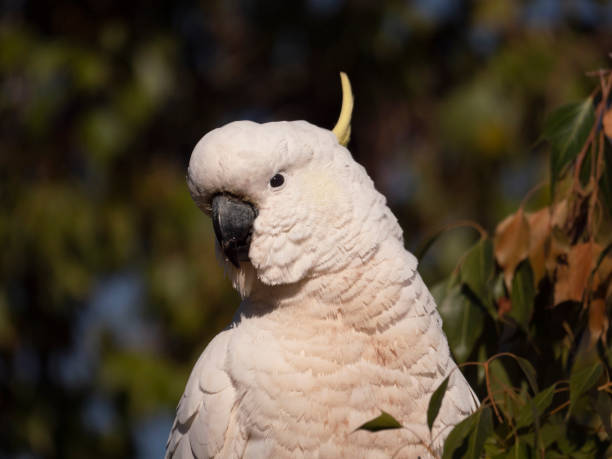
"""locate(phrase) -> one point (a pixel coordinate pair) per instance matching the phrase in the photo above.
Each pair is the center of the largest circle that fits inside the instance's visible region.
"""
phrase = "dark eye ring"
(277, 181)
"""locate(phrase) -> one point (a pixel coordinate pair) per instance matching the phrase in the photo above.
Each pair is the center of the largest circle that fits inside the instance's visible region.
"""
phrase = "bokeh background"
(109, 289)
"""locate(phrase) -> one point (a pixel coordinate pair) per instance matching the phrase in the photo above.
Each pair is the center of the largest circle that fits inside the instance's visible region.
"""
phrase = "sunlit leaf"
(567, 129)
(572, 279)
(383, 422)
(463, 322)
(435, 402)
(539, 241)
(522, 295)
(511, 243)
(583, 379)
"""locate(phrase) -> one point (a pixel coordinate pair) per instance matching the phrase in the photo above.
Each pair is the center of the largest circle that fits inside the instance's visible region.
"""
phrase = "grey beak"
(233, 224)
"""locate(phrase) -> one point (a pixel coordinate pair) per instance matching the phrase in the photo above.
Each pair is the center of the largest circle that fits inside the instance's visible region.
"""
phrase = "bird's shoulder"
(204, 412)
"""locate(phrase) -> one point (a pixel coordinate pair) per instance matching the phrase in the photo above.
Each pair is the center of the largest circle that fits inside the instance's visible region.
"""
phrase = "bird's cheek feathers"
(299, 234)
(281, 245)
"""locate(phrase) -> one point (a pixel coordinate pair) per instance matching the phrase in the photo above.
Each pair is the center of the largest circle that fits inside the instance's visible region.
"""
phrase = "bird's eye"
(277, 181)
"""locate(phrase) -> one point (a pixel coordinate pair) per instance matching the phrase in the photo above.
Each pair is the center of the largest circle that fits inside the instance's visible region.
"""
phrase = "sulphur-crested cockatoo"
(335, 324)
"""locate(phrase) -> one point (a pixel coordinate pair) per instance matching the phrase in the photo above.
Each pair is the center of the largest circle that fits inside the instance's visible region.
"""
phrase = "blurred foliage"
(539, 296)
(108, 285)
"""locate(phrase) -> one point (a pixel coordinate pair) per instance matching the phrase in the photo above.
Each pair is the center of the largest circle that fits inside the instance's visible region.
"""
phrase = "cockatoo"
(335, 324)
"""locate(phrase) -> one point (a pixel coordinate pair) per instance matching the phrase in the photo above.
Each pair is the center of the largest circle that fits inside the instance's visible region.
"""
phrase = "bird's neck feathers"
(367, 295)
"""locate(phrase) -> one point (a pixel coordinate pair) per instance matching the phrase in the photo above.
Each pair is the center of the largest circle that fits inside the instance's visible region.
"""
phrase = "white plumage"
(335, 325)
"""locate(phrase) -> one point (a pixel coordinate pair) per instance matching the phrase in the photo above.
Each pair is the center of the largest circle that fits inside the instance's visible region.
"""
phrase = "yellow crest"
(342, 129)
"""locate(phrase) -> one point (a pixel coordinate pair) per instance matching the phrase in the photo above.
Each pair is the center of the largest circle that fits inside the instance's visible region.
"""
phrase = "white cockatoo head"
(288, 201)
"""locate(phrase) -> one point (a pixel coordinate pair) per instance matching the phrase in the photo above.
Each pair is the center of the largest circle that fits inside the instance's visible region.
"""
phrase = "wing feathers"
(203, 413)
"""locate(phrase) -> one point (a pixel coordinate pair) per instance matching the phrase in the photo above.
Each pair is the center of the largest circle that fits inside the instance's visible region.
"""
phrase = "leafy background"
(108, 285)
(539, 292)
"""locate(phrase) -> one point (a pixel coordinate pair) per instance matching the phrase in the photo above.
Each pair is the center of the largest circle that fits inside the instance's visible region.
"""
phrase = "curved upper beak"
(233, 223)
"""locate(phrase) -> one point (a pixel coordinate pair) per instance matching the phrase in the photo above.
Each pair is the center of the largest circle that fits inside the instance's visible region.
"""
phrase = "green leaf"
(383, 422)
(477, 270)
(541, 402)
(551, 432)
(500, 383)
(519, 450)
(603, 406)
(493, 450)
(499, 287)
(581, 380)
(527, 439)
(421, 251)
(457, 436)
(536, 425)
(483, 429)
(478, 426)
(463, 322)
(588, 450)
(529, 371)
(480, 371)
(523, 294)
(440, 291)
(435, 402)
(567, 129)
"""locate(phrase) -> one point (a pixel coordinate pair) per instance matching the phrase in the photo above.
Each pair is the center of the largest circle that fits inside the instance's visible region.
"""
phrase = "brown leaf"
(598, 320)
(602, 279)
(577, 216)
(560, 213)
(559, 251)
(511, 243)
(545, 245)
(573, 276)
(607, 123)
(562, 292)
(539, 241)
